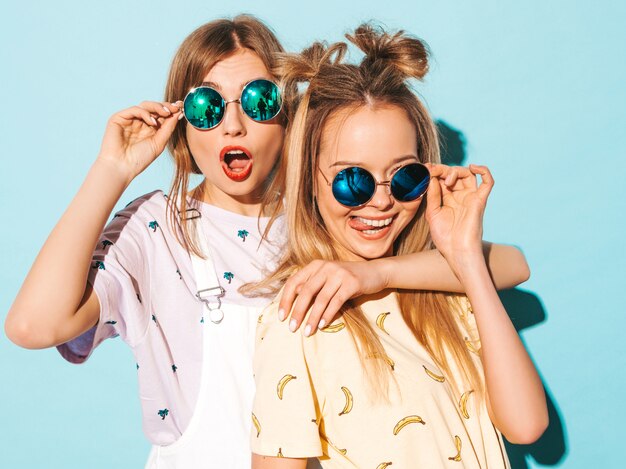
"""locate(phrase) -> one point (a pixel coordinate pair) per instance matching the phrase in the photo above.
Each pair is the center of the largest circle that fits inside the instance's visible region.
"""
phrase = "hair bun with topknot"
(407, 54)
(303, 67)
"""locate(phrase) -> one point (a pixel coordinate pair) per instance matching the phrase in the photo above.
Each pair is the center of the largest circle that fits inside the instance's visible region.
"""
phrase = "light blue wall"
(535, 88)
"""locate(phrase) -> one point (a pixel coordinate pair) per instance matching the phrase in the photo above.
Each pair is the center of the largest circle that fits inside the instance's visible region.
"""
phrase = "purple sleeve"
(120, 278)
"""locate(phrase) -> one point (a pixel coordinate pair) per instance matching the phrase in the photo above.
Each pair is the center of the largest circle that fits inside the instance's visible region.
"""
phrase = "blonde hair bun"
(407, 54)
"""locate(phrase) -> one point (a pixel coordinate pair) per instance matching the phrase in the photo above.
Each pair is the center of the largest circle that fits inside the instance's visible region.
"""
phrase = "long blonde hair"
(198, 53)
(333, 85)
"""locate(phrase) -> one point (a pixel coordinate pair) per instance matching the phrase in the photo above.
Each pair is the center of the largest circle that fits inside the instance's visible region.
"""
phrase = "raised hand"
(136, 136)
(456, 205)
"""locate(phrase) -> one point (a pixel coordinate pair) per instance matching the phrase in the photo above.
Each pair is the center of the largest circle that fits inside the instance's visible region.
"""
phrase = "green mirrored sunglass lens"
(261, 100)
(204, 108)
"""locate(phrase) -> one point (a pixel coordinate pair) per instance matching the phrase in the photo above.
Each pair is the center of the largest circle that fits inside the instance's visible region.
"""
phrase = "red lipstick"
(236, 162)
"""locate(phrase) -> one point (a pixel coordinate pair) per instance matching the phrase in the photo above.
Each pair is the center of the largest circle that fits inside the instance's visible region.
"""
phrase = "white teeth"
(376, 223)
(236, 152)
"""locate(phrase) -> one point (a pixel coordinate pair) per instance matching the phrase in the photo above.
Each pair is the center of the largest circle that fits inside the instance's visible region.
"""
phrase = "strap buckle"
(215, 313)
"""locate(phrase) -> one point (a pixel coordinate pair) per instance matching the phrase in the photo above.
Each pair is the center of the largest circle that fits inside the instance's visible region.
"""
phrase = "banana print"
(380, 322)
(384, 465)
(438, 378)
(406, 421)
(260, 319)
(349, 401)
(463, 403)
(334, 328)
(280, 387)
(257, 425)
(457, 443)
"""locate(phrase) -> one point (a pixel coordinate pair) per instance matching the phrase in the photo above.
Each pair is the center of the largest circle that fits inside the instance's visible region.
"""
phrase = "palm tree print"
(163, 413)
(153, 225)
(106, 243)
(111, 322)
(174, 368)
(98, 265)
(229, 276)
(242, 234)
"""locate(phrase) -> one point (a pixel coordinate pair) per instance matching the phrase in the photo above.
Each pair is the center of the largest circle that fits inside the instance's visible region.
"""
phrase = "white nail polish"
(321, 324)
(281, 314)
(307, 330)
(167, 110)
(181, 116)
(293, 324)
(154, 121)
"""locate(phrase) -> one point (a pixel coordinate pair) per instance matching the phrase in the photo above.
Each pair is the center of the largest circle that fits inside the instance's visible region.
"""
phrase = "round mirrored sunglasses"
(204, 107)
(355, 186)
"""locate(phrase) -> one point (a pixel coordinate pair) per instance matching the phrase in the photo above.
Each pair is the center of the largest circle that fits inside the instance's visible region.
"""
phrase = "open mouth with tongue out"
(236, 162)
(371, 228)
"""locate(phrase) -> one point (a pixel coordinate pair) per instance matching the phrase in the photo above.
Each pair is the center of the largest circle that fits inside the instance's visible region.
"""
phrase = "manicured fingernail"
(177, 104)
(293, 325)
(321, 324)
(281, 314)
(167, 110)
(154, 121)
(181, 116)
(307, 330)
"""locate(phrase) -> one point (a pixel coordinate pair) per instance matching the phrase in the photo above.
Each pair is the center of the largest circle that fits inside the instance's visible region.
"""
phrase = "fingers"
(134, 113)
(168, 124)
(319, 307)
(152, 113)
(433, 195)
(320, 289)
(293, 286)
(487, 181)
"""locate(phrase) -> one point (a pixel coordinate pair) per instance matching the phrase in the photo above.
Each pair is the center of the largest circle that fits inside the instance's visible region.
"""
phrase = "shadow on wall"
(451, 144)
(525, 310)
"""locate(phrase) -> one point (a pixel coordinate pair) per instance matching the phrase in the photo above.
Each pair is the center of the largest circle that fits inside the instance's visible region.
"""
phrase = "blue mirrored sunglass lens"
(353, 186)
(410, 182)
(204, 107)
(261, 100)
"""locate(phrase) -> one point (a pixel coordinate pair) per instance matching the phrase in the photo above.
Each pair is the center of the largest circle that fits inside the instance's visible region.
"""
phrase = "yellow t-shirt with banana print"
(313, 398)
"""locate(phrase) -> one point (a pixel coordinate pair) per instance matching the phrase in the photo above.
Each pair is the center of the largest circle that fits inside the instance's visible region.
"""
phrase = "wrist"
(384, 269)
(469, 265)
(112, 170)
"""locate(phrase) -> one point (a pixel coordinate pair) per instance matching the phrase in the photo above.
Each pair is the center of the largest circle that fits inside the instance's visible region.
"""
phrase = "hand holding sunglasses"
(204, 106)
(455, 209)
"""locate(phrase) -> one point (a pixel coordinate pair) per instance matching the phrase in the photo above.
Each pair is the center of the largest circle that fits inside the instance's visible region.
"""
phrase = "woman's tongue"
(236, 162)
(357, 224)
